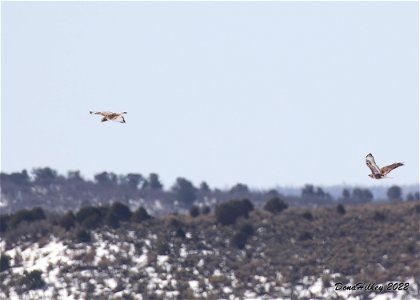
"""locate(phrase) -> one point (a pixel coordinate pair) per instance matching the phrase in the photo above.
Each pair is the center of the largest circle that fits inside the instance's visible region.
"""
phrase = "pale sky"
(267, 94)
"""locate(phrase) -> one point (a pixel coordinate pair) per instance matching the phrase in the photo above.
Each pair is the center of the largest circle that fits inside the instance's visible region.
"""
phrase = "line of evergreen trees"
(45, 183)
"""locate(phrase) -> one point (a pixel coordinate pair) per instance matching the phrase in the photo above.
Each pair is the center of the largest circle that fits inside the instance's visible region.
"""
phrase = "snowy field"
(105, 269)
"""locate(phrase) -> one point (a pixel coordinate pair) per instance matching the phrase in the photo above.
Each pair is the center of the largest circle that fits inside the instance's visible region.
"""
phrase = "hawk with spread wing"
(110, 116)
(378, 173)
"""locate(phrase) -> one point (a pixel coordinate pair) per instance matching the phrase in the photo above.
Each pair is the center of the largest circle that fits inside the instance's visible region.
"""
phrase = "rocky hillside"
(286, 253)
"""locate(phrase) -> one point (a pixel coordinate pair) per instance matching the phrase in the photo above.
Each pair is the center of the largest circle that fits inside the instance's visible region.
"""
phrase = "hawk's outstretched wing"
(385, 170)
(370, 162)
(102, 113)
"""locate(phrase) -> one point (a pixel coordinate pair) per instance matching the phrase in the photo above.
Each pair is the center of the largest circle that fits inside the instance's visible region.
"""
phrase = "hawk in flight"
(110, 116)
(378, 173)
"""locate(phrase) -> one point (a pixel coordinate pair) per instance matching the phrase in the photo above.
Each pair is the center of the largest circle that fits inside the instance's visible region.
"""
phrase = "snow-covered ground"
(110, 269)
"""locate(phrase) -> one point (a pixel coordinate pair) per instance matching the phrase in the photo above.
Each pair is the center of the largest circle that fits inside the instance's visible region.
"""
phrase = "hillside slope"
(298, 253)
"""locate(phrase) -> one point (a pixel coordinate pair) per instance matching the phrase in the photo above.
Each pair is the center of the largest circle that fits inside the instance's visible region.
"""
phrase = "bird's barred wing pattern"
(386, 169)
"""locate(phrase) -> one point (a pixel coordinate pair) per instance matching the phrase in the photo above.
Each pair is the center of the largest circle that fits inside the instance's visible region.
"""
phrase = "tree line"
(45, 187)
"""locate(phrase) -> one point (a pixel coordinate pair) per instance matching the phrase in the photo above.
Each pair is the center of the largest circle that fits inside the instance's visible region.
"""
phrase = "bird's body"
(379, 173)
(110, 116)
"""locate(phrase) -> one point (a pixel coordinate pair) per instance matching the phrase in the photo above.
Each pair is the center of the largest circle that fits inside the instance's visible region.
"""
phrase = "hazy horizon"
(266, 94)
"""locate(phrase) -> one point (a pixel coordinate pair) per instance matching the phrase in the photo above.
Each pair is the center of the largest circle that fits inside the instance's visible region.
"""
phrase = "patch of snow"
(157, 205)
(316, 287)
(250, 295)
(183, 252)
(172, 294)
(194, 285)
(111, 283)
(162, 259)
(140, 260)
(261, 279)
(114, 248)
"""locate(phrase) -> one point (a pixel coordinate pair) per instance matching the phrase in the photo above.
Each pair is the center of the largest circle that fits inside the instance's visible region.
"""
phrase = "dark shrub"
(86, 212)
(185, 191)
(83, 236)
(18, 179)
(32, 280)
(112, 220)
(179, 232)
(4, 262)
(308, 216)
(3, 222)
(162, 246)
(37, 213)
(379, 216)
(31, 215)
(140, 215)
(341, 209)
(411, 248)
(394, 193)
(273, 193)
(240, 188)
(246, 206)
(410, 197)
(227, 213)
(44, 176)
(305, 236)
(326, 281)
(154, 182)
(116, 213)
(205, 210)
(67, 221)
(361, 195)
(194, 211)
(314, 194)
(345, 194)
(204, 187)
(92, 221)
(247, 229)
(174, 222)
(105, 179)
(133, 180)
(239, 239)
(89, 217)
(275, 205)
(120, 211)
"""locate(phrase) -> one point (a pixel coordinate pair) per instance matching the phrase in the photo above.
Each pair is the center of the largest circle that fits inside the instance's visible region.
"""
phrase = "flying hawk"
(378, 173)
(110, 116)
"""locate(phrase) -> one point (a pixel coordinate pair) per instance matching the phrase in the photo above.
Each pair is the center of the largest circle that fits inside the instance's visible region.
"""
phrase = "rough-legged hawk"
(110, 116)
(378, 173)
